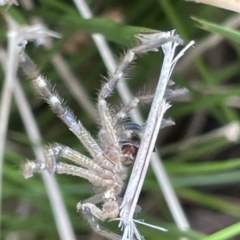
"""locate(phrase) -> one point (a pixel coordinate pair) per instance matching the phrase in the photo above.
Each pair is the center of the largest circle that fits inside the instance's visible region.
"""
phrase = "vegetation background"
(200, 153)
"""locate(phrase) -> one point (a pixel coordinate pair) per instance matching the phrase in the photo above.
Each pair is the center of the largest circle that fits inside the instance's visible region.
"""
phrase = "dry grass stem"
(19, 35)
(158, 108)
(159, 171)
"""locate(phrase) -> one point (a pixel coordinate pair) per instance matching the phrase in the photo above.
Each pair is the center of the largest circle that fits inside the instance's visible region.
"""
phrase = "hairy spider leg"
(107, 131)
(123, 113)
(108, 134)
(63, 168)
(52, 153)
(110, 208)
(144, 99)
(57, 150)
(92, 221)
(44, 88)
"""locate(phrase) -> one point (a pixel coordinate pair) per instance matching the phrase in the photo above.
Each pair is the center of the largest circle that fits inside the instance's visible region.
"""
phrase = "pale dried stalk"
(233, 5)
(61, 217)
(6, 95)
(157, 166)
(59, 210)
(146, 147)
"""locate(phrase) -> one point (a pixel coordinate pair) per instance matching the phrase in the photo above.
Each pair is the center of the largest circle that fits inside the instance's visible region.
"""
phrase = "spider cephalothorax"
(130, 138)
(115, 150)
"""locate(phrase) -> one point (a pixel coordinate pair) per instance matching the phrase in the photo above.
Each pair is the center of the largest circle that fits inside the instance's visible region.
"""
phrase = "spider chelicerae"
(115, 151)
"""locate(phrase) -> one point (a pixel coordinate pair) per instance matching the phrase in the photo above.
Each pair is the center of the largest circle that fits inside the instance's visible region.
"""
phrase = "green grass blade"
(226, 233)
(203, 167)
(116, 32)
(222, 30)
(210, 201)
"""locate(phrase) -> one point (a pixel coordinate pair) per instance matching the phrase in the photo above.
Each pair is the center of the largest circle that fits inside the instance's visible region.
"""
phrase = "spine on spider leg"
(64, 168)
(123, 113)
(147, 99)
(108, 134)
(127, 59)
(53, 152)
(109, 86)
(44, 88)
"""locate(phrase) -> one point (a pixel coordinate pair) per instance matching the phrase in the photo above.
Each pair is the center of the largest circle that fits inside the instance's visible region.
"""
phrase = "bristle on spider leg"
(28, 66)
(123, 113)
(124, 64)
(146, 99)
(44, 88)
(53, 152)
(109, 86)
(64, 168)
(128, 59)
(107, 133)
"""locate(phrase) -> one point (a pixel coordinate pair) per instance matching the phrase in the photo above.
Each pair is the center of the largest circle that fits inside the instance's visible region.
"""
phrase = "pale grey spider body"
(116, 150)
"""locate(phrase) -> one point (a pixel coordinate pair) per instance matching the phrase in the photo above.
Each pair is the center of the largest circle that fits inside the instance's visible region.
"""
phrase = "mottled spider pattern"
(111, 155)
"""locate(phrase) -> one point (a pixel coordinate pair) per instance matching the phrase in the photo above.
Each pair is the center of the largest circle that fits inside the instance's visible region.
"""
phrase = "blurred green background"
(200, 153)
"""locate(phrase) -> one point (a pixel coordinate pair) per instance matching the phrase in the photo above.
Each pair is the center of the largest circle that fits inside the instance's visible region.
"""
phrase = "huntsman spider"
(111, 155)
